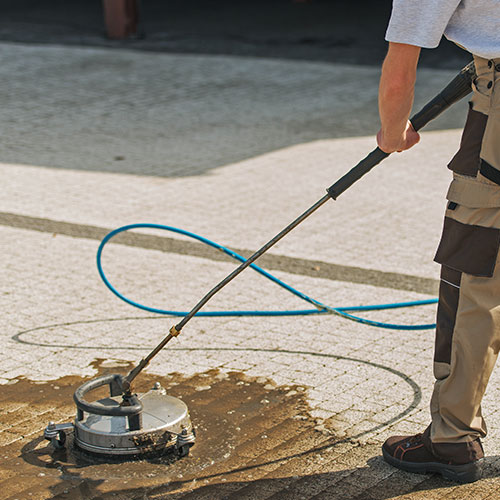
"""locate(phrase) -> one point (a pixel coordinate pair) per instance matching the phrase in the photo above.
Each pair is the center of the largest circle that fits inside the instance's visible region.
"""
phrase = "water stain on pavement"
(255, 440)
(238, 421)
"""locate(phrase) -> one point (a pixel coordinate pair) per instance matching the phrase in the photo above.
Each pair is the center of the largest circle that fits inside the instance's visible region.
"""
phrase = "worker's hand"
(399, 143)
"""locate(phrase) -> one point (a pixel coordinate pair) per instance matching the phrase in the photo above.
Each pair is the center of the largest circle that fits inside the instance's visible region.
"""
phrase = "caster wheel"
(59, 442)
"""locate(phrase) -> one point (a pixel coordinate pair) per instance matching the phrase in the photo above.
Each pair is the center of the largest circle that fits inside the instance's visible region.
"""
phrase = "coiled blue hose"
(319, 308)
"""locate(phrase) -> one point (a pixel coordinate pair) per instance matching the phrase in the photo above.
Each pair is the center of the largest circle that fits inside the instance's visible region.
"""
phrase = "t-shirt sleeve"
(420, 22)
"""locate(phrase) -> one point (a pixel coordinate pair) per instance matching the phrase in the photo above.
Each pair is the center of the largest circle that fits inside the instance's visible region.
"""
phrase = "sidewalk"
(89, 147)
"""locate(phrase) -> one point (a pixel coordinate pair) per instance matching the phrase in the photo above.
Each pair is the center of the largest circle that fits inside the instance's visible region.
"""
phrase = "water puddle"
(237, 419)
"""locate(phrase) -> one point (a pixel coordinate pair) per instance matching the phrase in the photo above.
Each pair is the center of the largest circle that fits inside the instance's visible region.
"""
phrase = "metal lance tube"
(175, 330)
(458, 88)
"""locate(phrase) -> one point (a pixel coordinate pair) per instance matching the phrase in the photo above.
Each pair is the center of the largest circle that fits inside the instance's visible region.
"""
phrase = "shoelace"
(417, 439)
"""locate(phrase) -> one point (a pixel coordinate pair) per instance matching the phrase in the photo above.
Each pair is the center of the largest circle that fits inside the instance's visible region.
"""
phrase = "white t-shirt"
(472, 24)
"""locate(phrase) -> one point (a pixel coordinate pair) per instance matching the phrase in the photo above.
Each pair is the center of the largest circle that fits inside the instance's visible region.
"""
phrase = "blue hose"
(319, 308)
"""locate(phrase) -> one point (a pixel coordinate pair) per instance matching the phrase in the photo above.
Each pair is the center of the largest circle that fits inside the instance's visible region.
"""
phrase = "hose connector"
(174, 332)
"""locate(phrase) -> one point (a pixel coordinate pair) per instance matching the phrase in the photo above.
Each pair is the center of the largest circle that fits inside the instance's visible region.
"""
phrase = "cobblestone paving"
(362, 383)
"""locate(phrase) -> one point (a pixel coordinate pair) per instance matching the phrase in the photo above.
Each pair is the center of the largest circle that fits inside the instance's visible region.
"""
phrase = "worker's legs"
(468, 323)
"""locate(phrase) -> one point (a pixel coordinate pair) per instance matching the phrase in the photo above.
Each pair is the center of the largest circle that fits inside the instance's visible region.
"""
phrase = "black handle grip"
(362, 168)
(458, 88)
(114, 381)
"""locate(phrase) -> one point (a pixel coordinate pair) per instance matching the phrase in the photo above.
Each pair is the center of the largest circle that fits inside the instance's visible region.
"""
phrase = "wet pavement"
(238, 421)
(254, 440)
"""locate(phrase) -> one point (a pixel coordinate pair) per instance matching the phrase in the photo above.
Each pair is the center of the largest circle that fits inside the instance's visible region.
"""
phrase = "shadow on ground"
(342, 478)
(176, 115)
(185, 108)
(375, 481)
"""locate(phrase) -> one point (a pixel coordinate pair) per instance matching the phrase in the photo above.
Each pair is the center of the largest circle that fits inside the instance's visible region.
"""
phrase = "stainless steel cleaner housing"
(164, 424)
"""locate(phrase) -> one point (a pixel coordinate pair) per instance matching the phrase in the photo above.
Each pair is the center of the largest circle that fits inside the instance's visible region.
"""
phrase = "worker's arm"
(396, 91)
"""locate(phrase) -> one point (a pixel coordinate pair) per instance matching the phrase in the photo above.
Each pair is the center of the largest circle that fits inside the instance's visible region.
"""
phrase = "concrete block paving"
(291, 407)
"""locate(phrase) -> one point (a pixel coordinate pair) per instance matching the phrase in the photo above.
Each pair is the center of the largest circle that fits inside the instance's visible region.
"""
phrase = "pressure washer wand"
(457, 89)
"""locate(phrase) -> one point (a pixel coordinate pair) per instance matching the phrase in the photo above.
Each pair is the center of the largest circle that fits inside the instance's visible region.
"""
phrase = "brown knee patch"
(468, 249)
(449, 291)
(467, 161)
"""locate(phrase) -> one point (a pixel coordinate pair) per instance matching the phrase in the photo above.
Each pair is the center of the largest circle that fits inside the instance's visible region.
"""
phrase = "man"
(468, 317)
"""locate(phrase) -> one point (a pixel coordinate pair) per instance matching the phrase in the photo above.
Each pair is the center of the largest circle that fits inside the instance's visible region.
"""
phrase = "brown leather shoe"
(460, 462)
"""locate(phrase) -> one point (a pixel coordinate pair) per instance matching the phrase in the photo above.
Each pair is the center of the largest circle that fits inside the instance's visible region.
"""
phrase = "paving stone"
(58, 167)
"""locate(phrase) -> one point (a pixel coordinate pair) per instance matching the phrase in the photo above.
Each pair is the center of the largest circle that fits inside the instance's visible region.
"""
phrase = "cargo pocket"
(464, 248)
(467, 160)
(468, 249)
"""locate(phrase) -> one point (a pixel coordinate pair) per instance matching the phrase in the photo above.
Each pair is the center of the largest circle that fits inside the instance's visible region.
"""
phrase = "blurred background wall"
(317, 30)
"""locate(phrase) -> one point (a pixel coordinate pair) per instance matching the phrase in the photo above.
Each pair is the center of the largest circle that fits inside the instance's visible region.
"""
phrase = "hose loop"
(319, 307)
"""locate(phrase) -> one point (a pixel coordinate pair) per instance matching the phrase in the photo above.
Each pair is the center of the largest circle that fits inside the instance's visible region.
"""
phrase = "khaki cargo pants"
(468, 318)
